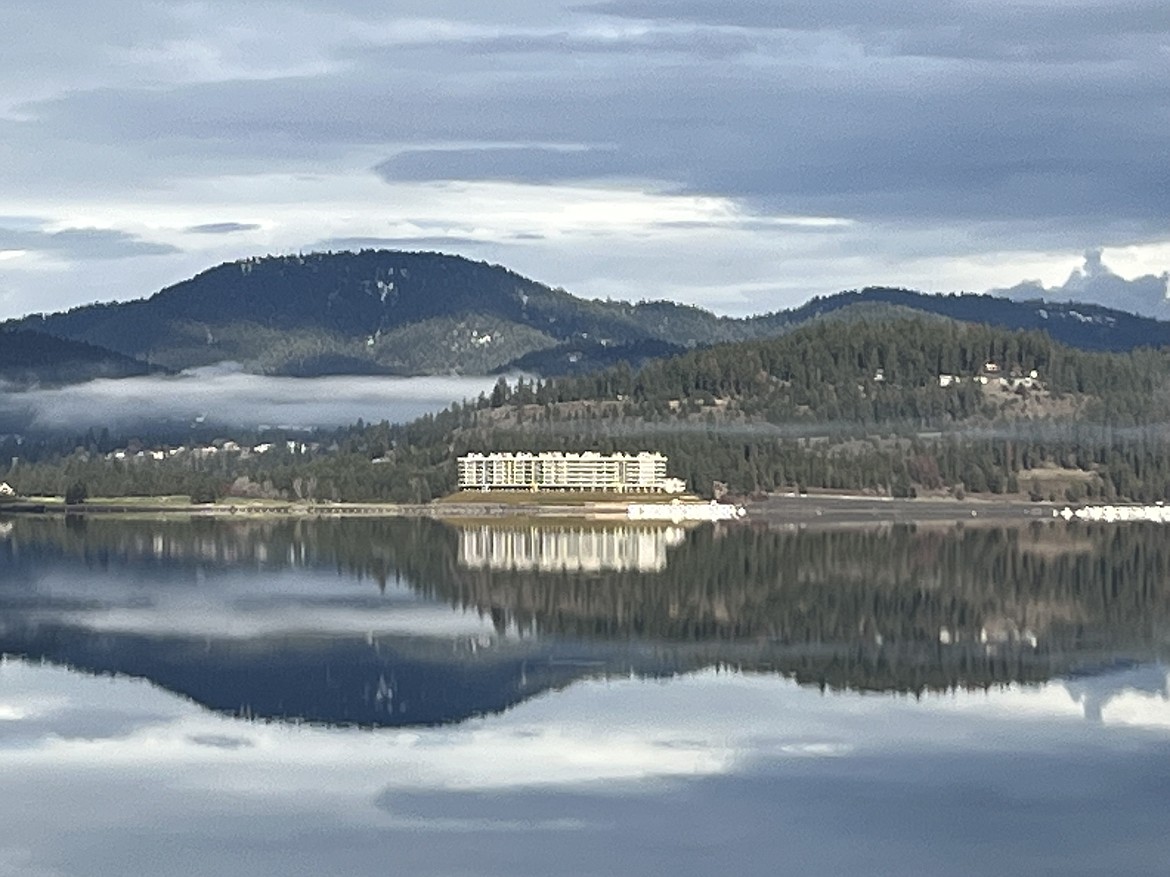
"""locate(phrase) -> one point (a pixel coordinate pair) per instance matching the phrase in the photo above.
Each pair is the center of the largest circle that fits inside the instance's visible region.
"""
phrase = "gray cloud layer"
(221, 227)
(518, 164)
(82, 243)
(447, 243)
(949, 128)
(905, 110)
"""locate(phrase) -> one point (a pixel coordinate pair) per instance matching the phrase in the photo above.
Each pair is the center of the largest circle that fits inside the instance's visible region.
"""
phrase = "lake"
(276, 697)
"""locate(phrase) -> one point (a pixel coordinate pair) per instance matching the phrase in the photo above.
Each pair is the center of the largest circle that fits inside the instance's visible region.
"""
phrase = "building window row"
(550, 470)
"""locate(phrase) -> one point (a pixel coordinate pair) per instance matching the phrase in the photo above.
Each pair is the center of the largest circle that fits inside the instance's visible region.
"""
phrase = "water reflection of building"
(567, 549)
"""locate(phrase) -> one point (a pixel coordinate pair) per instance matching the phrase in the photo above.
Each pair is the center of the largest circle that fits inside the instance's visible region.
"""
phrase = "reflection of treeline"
(896, 585)
(945, 590)
(903, 608)
(751, 415)
(378, 549)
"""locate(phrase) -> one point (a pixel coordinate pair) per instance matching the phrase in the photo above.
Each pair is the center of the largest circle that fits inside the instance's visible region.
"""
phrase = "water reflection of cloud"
(221, 741)
(36, 708)
(227, 622)
(1132, 695)
(1141, 710)
(1137, 694)
(20, 861)
(228, 605)
(703, 774)
(526, 808)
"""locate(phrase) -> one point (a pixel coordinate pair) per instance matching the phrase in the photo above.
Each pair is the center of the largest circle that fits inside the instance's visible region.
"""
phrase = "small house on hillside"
(6, 489)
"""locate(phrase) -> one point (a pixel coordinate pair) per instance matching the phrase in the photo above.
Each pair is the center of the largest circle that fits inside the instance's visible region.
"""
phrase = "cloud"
(1095, 283)
(444, 243)
(984, 133)
(691, 43)
(947, 28)
(820, 123)
(515, 163)
(221, 227)
(82, 243)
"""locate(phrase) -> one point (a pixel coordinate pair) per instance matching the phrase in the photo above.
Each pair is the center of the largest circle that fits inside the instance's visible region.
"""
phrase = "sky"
(742, 155)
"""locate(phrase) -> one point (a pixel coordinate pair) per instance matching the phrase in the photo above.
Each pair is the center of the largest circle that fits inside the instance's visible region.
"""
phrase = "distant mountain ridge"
(391, 312)
(1086, 326)
(372, 311)
(37, 358)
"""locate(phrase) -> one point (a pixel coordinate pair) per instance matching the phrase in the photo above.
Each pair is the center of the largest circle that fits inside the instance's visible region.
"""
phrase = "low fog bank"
(228, 397)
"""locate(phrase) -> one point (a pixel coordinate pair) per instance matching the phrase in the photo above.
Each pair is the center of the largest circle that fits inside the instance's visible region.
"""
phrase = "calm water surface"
(372, 697)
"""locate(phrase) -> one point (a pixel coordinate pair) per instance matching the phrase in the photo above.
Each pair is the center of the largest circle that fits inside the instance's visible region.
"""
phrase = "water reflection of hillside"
(567, 549)
(892, 609)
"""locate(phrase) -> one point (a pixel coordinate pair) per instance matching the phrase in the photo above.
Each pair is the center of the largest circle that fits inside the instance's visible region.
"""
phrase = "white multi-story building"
(553, 470)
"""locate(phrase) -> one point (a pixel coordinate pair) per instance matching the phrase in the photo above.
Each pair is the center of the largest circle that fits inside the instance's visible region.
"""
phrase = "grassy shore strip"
(478, 507)
(465, 506)
(819, 511)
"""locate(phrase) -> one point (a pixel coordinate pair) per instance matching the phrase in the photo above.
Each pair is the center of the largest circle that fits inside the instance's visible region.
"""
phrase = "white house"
(6, 489)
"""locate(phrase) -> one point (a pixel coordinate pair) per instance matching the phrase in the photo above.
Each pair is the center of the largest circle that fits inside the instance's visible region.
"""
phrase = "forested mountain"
(369, 312)
(1087, 326)
(36, 358)
(389, 312)
(884, 406)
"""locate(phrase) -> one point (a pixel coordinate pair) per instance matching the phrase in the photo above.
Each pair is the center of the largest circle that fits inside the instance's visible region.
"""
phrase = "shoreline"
(828, 510)
(598, 510)
(787, 510)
